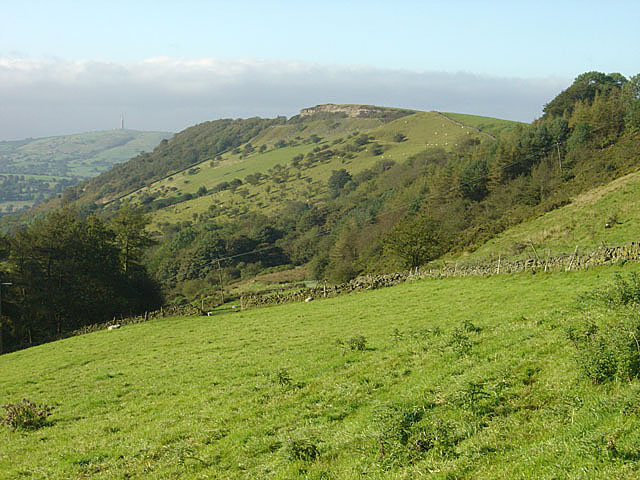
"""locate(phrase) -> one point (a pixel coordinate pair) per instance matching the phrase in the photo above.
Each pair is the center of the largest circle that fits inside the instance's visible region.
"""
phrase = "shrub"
(26, 415)
(611, 352)
(357, 342)
(302, 449)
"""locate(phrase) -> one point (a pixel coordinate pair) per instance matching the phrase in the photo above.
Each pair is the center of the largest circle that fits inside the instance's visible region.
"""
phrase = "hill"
(342, 190)
(322, 145)
(606, 215)
(34, 169)
(458, 378)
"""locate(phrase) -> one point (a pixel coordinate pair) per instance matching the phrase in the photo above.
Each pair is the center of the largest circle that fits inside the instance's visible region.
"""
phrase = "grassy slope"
(581, 223)
(201, 397)
(493, 126)
(422, 129)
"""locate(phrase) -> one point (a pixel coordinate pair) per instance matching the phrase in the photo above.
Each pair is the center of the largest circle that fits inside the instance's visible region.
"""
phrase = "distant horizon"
(71, 66)
(48, 107)
(222, 118)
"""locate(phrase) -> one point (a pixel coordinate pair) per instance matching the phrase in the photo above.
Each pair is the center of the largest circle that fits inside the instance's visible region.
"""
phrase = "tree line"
(67, 270)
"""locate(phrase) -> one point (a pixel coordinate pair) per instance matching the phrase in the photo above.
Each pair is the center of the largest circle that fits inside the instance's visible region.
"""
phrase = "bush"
(26, 415)
(302, 449)
(610, 352)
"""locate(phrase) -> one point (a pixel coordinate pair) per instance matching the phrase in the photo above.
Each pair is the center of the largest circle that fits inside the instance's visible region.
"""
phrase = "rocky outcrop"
(352, 110)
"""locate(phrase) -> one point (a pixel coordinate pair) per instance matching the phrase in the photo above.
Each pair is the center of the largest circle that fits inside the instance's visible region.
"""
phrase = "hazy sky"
(71, 66)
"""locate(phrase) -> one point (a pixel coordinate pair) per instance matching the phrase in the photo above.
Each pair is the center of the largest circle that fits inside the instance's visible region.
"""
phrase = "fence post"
(575, 252)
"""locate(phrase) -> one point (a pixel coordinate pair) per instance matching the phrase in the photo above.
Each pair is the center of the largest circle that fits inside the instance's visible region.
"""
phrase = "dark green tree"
(474, 179)
(415, 241)
(129, 225)
(337, 181)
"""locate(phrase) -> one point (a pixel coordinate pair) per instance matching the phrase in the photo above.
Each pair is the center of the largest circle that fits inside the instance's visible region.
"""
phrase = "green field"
(493, 126)
(456, 378)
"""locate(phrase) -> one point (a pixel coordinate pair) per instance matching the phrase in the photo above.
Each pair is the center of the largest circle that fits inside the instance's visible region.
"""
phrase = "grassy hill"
(490, 125)
(330, 133)
(606, 215)
(457, 378)
(34, 169)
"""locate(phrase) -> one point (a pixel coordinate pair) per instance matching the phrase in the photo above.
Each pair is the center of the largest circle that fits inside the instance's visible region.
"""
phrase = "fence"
(574, 261)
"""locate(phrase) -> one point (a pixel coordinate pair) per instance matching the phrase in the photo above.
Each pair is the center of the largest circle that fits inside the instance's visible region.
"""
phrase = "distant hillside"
(317, 142)
(34, 169)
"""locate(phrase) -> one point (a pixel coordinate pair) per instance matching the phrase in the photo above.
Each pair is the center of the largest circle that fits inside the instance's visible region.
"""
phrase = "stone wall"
(574, 261)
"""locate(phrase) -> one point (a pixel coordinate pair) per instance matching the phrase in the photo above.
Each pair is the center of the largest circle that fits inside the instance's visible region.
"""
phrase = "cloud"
(50, 97)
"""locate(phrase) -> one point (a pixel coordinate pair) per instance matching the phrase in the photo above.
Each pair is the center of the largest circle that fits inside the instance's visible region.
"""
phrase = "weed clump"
(26, 415)
(408, 431)
(622, 292)
(355, 343)
(283, 378)
(608, 353)
(303, 449)
(460, 342)
(610, 349)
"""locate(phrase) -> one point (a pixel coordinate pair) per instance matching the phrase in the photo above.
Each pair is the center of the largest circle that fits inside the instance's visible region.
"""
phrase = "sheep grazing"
(308, 299)
(209, 314)
(113, 327)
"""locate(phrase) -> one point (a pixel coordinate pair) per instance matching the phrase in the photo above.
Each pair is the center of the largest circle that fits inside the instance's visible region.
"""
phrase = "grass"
(456, 378)
(581, 223)
(493, 126)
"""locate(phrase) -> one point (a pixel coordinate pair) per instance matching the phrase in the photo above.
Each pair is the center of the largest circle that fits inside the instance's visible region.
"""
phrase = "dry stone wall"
(574, 261)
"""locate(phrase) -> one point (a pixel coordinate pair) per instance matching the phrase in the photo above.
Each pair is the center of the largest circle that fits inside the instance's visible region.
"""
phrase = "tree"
(474, 178)
(415, 241)
(337, 181)
(131, 238)
(584, 88)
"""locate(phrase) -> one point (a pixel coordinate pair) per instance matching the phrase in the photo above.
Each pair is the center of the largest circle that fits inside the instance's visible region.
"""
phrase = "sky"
(74, 66)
